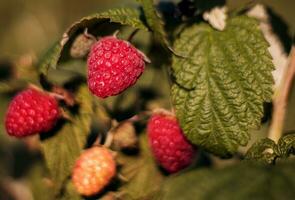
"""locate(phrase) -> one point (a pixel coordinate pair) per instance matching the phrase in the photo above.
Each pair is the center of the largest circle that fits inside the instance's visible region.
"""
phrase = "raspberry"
(113, 66)
(31, 112)
(169, 146)
(93, 171)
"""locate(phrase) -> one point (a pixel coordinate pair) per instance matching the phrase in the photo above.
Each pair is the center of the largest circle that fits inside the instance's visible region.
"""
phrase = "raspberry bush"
(161, 100)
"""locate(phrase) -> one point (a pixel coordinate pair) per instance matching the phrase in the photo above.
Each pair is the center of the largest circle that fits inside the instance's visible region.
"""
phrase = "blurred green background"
(30, 26)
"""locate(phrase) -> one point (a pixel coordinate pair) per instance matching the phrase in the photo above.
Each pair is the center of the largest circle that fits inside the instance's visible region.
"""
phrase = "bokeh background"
(28, 28)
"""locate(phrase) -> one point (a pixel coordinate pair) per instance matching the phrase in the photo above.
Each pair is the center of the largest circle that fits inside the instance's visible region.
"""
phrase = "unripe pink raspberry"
(169, 146)
(31, 112)
(113, 66)
(93, 170)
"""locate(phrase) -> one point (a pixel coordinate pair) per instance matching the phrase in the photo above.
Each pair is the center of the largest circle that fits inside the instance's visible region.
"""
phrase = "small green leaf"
(123, 16)
(142, 173)
(267, 151)
(262, 151)
(243, 182)
(154, 21)
(286, 146)
(51, 57)
(65, 145)
(222, 83)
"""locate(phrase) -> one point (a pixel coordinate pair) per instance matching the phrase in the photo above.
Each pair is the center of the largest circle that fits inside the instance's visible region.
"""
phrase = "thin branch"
(281, 100)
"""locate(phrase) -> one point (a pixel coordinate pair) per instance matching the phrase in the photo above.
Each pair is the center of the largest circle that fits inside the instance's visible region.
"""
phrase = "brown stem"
(109, 139)
(139, 116)
(63, 94)
(281, 100)
(34, 87)
(97, 142)
(66, 116)
(88, 35)
(115, 34)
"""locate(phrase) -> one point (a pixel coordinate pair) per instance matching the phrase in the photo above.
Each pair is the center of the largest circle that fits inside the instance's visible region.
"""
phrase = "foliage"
(142, 173)
(242, 181)
(222, 83)
(219, 83)
(267, 151)
(60, 158)
(154, 21)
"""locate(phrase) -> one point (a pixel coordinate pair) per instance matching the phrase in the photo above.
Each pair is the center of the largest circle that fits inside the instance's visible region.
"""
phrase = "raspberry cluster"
(113, 66)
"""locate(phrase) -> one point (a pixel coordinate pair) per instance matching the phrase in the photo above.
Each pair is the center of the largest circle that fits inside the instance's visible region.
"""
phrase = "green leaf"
(155, 21)
(243, 182)
(51, 57)
(222, 83)
(12, 86)
(286, 146)
(267, 151)
(123, 16)
(65, 145)
(39, 187)
(67, 71)
(142, 173)
(262, 151)
(70, 193)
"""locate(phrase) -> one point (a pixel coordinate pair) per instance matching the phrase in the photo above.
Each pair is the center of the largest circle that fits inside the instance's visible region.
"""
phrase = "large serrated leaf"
(243, 182)
(222, 83)
(155, 21)
(64, 146)
(123, 16)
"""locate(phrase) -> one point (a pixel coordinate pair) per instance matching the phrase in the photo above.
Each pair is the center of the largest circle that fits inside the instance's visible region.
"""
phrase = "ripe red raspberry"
(169, 146)
(113, 66)
(31, 112)
(93, 171)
